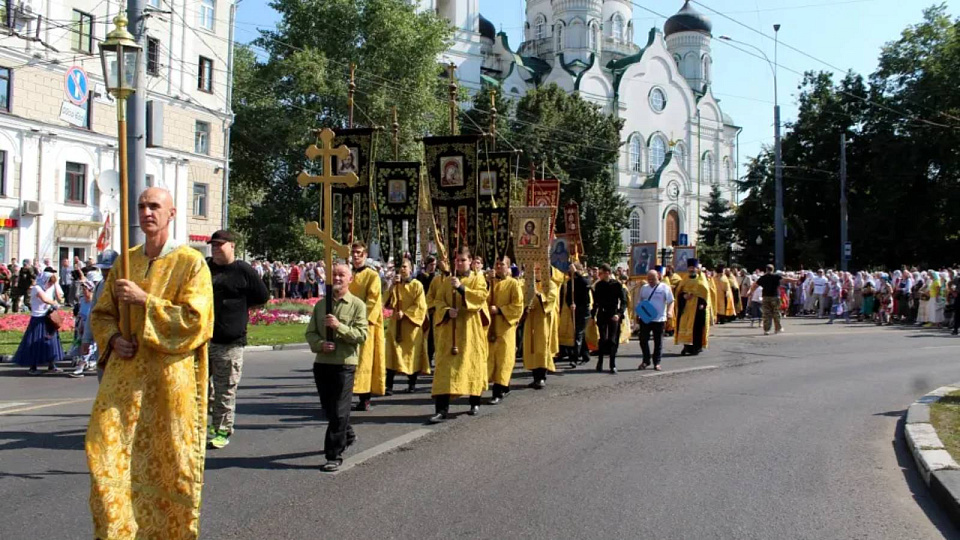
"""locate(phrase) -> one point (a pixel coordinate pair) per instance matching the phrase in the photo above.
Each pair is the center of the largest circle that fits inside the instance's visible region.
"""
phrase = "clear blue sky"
(845, 33)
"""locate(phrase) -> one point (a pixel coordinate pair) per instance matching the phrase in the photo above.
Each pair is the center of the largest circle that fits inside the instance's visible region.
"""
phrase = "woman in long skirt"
(40, 344)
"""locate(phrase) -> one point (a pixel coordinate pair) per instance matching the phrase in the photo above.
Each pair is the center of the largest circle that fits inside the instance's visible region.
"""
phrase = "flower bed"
(17, 322)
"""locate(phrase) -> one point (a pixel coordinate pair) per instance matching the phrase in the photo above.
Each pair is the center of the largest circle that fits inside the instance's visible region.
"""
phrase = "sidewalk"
(937, 467)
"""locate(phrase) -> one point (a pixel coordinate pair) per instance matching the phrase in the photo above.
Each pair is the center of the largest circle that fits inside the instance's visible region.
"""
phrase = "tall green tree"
(302, 85)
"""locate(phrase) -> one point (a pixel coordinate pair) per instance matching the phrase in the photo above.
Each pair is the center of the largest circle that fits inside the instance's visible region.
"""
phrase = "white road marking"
(45, 405)
(382, 448)
(12, 404)
(942, 347)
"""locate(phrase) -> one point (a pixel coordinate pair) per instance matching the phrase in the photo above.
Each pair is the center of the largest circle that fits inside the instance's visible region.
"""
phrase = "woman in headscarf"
(41, 343)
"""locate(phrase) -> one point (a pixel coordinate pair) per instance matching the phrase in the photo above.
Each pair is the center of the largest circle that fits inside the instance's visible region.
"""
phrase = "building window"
(541, 27)
(680, 155)
(593, 36)
(3, 175)
(153, 56)
(708, 165)
(635, 227)
(151, 180)
(205, 75)
(616, 27)
(658, 100)
(200, 200)
(636, 148)
(201, 139)
(208, 8)
(75, 183)
(6, 77)
(154, 3)
(658, 153)
(559, 36)
(82, 29)
(727, 170)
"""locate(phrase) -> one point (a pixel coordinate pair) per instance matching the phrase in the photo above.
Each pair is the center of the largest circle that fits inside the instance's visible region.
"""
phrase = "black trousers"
(500, 390)
(442, 402)
(609, 338)
(656, 328)
(335, 386)
(579, 350)
(699, 325)
(539, 374)
(392, 374)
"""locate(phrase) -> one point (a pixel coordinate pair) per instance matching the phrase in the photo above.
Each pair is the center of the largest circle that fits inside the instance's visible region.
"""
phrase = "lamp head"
(120, 56)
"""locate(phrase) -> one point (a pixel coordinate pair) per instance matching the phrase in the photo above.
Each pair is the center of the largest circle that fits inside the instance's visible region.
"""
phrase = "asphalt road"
(789, 436)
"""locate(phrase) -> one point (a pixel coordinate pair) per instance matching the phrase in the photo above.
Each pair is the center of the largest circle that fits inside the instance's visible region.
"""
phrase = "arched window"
(706, 68)
(635, 227)
(616, 27)
(727, 171)
(559, 36)
(630, 31)
(680, 155)
(636, 149)
(658, 153)
(541, 27)
(594, 36)
(708, 168)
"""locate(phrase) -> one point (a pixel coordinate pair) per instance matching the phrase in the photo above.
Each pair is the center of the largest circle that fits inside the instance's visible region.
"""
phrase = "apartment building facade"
(59, 162)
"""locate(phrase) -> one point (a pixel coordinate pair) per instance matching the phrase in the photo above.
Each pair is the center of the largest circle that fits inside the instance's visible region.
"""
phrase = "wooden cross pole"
(326, 153)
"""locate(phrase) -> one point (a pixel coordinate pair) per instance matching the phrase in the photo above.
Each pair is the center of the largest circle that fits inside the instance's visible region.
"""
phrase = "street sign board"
(848, 251)
(76, 85)
(72, 114)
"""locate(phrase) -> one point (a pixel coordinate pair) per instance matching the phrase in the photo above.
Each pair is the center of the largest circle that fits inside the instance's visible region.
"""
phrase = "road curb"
(939, 470)
(286, 347)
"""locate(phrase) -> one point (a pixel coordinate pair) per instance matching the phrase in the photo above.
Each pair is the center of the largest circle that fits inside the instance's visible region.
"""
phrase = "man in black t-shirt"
(609, 308)
(770, 284)
(236, 289)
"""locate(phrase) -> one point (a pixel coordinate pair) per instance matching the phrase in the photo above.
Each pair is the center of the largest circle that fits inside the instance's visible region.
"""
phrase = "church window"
(708, 167)
(636, 149)
(728, 170)
(635, 227)
(594, 35)
(658, 100)
(541, 27)
(658, 153)
(680, 155)
(616, 27)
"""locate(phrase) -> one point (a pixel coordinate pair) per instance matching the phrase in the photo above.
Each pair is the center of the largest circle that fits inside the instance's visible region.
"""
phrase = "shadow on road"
(262, 462)
(71, 439)
(919, 489)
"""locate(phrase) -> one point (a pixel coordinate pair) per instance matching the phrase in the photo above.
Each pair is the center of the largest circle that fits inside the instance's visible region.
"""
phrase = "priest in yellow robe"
(506, 308)
(146, 439)
(726, 309)
(460, 318)
(541, 341)
(693, 297)
(712, 287)
(371, 376)
(672, 279)
(405, 344)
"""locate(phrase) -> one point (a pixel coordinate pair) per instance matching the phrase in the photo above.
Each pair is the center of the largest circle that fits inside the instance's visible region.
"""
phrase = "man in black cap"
(236, 289)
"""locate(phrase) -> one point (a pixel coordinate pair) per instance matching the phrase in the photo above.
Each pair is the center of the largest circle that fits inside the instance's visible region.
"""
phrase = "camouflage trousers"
(226, 367)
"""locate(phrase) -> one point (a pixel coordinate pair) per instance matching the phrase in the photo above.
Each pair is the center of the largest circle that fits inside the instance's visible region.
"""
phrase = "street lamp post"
(778, 164)
(120, 57)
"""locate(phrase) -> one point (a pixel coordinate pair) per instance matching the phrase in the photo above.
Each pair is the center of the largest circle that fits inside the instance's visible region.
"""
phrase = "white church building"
(676, 142)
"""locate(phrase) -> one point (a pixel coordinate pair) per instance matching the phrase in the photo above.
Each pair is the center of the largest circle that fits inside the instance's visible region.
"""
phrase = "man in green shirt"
(336, 338)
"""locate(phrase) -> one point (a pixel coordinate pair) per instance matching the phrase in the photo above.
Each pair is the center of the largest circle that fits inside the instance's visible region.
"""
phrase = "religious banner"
(571, 222)
(351, 205)
(643, 258)
(531, 242)
(493, 201)
(681, 254)
(451, 166)
(561, 252)
(397, 191)
(544, 192)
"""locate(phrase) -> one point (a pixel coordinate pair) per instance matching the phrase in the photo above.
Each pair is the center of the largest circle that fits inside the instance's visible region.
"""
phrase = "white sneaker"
(780, 331)
(766, 332)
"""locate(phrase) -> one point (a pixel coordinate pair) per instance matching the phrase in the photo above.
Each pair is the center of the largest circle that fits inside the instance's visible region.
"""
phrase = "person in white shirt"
(820, 284)
(660, 297)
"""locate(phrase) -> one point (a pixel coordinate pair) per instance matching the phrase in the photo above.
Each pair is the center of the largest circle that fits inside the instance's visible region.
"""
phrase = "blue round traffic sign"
(77, 87)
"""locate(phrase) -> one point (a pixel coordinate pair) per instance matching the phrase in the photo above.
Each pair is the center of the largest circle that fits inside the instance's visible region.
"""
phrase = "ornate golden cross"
(326, 152)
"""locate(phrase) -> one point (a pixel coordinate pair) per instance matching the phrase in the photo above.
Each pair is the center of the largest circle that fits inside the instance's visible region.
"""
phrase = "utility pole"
(778, 212)
(136, 125)
(843, 203)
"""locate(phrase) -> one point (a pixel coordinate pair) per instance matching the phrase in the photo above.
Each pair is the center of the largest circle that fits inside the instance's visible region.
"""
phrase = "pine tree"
(716, 225)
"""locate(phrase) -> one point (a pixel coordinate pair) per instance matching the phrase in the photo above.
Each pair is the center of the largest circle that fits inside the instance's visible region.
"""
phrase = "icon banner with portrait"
(544, 192)
(531, 235)
(397, 189)
(493, 201)
(561, 251)
(352, 215)
(451, 168)
(643, 258)
(680, 256)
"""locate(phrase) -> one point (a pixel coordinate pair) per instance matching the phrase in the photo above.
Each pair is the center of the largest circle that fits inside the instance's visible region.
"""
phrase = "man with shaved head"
(147, 435)
(336, 338)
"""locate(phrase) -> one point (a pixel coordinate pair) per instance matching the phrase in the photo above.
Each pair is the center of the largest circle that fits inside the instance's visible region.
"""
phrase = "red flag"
(103, 241)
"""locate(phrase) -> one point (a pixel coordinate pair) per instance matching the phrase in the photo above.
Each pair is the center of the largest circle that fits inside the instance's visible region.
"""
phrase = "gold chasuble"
(712, 287)
(625, 328)
(698, 287)
(371, 375)
(147, 434)
(408, 355)
(567, 333)
(540, 331)
(463, 374)
(725, 306)
(508, 297)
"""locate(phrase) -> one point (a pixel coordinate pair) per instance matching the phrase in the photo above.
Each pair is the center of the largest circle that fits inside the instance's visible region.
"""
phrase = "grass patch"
(945, 417)
(10, 340)
(276, 334)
